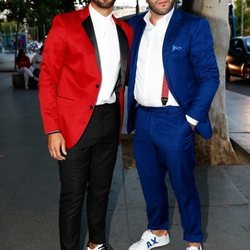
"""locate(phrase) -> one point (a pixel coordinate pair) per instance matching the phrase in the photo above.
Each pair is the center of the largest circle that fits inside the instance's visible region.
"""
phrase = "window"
(247, 41)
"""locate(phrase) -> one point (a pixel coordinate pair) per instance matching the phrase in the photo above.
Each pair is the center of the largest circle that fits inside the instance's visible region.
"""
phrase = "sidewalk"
(238, 110)
(29, 187)
(7, 62)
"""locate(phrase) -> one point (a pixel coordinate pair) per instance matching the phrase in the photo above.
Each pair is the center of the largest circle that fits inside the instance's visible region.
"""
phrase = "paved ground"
(238, 109)
(29, 187)
(7, 62)
(239, 85)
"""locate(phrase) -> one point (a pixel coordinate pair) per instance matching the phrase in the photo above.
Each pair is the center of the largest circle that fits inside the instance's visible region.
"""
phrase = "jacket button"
(91, 106)
(97, 86)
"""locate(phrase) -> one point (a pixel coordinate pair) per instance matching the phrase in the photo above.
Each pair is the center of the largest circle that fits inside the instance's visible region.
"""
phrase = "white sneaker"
(149, 241)
(104, 246)
(194, 248)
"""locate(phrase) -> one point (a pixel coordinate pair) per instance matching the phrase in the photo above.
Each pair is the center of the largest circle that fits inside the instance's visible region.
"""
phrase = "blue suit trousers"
(164, 143)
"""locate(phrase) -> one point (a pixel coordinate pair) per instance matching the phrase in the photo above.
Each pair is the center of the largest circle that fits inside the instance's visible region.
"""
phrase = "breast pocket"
(179, 50)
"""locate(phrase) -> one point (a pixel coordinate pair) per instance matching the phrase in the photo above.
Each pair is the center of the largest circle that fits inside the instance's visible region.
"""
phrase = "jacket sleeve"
(51, 68)
(205, 69)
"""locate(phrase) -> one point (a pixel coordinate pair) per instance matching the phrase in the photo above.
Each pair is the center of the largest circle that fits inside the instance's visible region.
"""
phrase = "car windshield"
(247, 41)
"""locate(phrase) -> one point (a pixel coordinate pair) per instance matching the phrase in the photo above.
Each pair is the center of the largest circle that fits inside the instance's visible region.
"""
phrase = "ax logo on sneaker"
(151, 242)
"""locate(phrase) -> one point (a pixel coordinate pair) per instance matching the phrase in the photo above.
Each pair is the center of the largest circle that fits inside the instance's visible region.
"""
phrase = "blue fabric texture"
(189, 64)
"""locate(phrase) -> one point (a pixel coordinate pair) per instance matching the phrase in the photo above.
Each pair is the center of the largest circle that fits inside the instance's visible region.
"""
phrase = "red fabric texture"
(69, 76)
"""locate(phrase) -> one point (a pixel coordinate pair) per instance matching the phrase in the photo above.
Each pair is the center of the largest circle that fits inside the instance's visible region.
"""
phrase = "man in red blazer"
(81, 97)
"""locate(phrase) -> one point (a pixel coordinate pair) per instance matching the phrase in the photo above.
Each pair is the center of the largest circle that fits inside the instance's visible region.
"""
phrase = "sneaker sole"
(161, 244)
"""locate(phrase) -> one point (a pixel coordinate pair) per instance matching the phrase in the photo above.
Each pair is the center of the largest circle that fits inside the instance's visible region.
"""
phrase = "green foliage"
(2, 5)
(178, 3)
(246, 13)
(8, 27)
(187, 6)
(17, 9)
(86, 2)
(37, 13)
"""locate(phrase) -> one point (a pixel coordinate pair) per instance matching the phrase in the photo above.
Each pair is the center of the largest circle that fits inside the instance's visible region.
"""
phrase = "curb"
(242, 154)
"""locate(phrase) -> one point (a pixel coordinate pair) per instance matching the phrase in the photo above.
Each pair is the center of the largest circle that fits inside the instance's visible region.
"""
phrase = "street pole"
(242, 17)
(25, 33)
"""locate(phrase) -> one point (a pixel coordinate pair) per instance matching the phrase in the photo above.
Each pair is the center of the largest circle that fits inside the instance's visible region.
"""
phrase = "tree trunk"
(187, 6)
(218, 150)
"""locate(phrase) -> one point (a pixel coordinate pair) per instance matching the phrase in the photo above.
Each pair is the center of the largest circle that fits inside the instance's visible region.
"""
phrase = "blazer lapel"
(124, 48)
(173, 27)
(138, 32)
(170, 36)
(89, 28)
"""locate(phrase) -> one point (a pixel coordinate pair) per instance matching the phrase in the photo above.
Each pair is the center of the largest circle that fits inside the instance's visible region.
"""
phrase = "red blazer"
(70, 75)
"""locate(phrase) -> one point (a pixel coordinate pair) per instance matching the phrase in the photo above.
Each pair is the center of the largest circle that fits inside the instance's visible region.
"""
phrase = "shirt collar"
(99, 17)
(162, 21)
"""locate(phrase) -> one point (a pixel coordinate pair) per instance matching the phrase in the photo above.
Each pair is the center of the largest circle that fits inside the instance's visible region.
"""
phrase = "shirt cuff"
(54, 132)
(191, 120)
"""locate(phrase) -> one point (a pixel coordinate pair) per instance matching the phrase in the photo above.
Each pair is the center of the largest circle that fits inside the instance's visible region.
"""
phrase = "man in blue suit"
(173, 79)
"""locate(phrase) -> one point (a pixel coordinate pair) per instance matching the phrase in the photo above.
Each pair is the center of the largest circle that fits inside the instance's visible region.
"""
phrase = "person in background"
(81, 92)
(36, 62)
(173, 79)
(23, 67)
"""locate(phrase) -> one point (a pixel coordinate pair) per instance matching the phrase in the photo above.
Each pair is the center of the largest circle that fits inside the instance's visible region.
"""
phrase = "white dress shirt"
(109, 51)
(150, 70)
(36, 61)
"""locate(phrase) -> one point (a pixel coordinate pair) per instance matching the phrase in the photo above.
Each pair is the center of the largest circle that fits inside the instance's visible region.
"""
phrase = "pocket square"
(174, 48)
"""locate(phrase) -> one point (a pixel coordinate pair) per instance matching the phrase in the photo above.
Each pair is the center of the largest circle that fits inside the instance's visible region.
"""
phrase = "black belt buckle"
(164, 101)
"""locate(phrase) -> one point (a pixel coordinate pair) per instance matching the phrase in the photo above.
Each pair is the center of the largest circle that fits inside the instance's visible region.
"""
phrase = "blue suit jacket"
(189, 64)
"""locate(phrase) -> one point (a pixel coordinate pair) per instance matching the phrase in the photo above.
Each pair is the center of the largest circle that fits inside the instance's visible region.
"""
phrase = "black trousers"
(89, 168)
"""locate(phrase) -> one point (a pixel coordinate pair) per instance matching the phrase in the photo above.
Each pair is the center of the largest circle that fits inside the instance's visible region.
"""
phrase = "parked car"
(238, 58)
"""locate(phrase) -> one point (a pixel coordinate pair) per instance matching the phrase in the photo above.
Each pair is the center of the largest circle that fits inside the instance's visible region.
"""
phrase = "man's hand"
(56, 145)
(192, 122)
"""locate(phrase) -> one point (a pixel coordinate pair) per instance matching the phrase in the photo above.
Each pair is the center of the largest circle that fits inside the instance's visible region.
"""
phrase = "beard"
(105, 4)
(159, 11)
